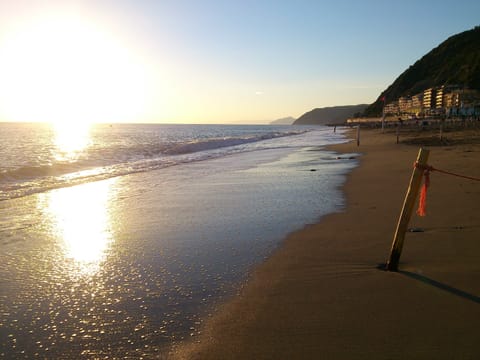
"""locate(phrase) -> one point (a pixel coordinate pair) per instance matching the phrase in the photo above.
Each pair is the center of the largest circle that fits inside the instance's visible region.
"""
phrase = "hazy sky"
(210, 61)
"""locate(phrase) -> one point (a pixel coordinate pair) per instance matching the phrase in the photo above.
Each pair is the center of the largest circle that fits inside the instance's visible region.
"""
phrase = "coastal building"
(468, 97)
(404, 104)
(417, 101)
(429, 97)
(447, 101)
(462, 102)
(439, 97)
(451, 99)
(417, 104)
(391, 108)
(411, 106)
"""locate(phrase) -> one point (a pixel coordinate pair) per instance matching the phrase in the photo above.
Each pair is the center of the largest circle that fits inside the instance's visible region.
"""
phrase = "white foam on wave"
(139, 149)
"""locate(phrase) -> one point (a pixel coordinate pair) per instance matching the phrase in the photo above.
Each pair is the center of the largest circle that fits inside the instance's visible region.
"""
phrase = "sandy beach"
(322, 294)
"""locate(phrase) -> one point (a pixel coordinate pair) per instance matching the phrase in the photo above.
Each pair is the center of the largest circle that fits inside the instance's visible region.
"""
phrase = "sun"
(65, 69)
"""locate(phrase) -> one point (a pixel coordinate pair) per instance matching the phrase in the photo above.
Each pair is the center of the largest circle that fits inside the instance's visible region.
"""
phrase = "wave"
(112, 161)
(132, 155)
(31, 172)
(216, 143)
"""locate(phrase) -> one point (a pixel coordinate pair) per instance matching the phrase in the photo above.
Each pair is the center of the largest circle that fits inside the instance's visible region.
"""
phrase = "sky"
(209, 61)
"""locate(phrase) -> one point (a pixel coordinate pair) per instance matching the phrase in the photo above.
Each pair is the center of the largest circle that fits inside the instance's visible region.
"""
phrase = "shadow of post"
(441, 286)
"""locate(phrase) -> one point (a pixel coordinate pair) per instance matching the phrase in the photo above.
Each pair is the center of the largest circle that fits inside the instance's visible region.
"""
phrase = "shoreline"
(321, 293)
(147, 257)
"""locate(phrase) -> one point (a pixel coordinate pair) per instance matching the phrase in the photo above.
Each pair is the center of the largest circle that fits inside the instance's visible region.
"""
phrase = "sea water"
(119, 240)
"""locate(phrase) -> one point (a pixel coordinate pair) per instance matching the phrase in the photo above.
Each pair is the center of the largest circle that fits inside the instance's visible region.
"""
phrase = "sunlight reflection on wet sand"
(79, 218)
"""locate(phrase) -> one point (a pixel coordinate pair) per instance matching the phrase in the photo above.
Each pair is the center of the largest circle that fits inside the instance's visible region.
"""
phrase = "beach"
(155, 226)
(324, 294)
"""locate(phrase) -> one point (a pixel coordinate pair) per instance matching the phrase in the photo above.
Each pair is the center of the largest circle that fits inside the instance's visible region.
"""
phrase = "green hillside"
(456, 61)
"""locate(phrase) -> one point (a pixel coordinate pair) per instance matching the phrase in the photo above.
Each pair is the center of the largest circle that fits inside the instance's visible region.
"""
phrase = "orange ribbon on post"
(427, 169)
(422, 203)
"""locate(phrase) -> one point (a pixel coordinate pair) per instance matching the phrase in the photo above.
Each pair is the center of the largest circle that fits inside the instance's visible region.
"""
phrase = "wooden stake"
(406, 213)
(358, 135)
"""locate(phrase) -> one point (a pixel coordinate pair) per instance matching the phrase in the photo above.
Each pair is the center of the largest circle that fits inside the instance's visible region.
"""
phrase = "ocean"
(118, 240)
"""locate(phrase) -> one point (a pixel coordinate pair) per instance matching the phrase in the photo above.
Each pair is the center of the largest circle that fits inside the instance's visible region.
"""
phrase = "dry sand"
(321, 295)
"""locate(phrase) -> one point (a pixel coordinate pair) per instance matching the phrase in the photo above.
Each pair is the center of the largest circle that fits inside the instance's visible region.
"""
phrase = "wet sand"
(322, 295)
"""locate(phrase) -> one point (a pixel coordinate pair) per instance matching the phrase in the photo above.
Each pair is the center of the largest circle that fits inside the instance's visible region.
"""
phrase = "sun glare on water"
(71, 139)
(66, 70)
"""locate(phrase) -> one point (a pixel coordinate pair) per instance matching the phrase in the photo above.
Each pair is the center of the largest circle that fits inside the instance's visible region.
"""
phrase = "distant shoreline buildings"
(444, 101)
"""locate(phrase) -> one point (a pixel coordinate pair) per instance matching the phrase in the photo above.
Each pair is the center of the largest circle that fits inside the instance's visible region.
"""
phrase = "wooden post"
(358, 135)
(406, 213)
(398, 133)
(441, 129)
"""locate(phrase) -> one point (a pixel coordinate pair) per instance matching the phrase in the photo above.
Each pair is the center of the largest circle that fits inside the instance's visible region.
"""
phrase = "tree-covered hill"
(456, 61)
